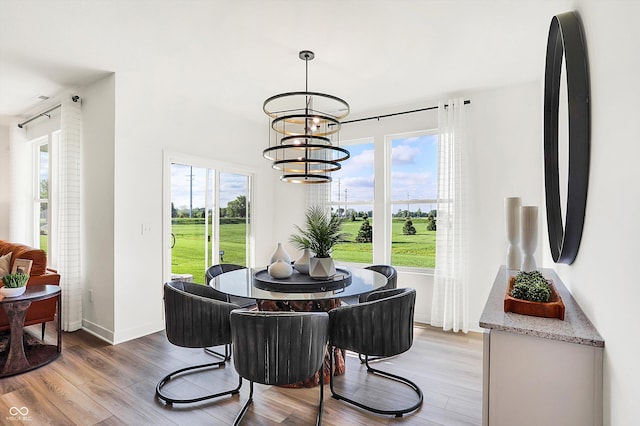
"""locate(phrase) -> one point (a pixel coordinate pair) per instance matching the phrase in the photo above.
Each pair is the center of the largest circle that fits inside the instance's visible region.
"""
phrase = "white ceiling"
(236, 53)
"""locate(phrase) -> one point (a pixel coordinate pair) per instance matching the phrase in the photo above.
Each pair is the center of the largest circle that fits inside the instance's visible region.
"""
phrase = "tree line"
(235, 208)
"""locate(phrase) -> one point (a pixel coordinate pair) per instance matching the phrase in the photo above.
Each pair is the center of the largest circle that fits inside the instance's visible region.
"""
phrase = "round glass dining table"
(290, 295)
(241, 283)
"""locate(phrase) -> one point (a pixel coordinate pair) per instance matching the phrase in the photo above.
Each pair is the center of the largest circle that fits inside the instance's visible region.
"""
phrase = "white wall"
(603, 278)
(153, 117)
(98, 167)
(506, 160)
(5, 190)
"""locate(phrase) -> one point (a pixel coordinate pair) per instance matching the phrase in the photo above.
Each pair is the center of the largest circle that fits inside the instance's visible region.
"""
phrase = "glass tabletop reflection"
(240, 283)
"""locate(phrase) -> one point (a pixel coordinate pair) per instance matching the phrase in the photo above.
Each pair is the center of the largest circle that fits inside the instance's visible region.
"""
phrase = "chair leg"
(245, 407)
(168, 377)
(366, 358)
(321, 384)
(397, 412)
(226, 356)
(44, 324)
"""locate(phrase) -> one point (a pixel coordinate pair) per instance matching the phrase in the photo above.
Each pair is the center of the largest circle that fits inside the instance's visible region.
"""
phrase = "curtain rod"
(74, 98)
(378, 117)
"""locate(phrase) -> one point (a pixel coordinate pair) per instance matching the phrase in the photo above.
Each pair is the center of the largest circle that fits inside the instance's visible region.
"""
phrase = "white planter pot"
(13, 292)
(321, 268)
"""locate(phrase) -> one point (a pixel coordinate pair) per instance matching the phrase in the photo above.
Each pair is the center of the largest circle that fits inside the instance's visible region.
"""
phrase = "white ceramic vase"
(280, 269)
(529, 235)
(321, 268)
(13, 292)
(512, 222)
(302, 264)
(279, 253)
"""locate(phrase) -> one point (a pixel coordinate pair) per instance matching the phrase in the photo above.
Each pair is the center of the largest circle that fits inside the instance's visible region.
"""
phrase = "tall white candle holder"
(512, 222)
(529, 235)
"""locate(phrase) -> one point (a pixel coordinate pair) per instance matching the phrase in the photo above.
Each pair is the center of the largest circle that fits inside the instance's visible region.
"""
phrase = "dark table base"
(35, 356)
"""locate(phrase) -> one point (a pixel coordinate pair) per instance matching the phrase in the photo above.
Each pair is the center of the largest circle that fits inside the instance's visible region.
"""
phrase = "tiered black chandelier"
(302, 127)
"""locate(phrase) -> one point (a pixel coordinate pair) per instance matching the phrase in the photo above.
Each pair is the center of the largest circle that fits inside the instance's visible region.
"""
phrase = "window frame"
(50, 139)
(383, 200)
(216, 168)
(330, 203)
(388, 199)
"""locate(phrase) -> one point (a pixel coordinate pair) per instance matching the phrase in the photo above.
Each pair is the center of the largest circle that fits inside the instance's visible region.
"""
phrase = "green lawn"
(187, 255)
(417, 250)
(406, 250)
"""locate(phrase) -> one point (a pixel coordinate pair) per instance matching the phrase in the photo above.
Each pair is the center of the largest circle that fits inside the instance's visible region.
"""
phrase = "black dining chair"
(389, 272)
(195, 318)
(279, 348)
(383, 327)
(392, 282)
(215, 270)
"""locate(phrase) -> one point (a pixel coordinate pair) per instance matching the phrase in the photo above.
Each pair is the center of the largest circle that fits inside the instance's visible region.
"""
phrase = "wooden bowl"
(554, 308)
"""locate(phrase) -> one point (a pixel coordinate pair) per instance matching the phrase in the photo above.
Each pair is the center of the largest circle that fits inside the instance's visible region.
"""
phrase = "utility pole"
(338, 197)
(190, 191)
(345, 202)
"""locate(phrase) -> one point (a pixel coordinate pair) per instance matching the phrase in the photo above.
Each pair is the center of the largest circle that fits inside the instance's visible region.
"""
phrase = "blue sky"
(231, 185)
(414, 170)
(414, 175)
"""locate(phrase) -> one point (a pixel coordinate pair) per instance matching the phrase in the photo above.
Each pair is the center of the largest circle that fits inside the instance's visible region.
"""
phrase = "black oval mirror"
(565, 46)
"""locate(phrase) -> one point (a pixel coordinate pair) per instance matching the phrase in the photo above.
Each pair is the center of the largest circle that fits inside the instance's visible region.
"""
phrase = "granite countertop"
(576, 327)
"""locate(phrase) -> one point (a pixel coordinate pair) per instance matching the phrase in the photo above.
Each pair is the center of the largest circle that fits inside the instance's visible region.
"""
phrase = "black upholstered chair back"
(195, 315)
(215, 270)
(277, 348)
(389, 272)
(382, 326)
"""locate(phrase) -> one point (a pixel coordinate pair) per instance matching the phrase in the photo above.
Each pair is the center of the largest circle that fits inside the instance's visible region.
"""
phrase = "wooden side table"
(18, 359)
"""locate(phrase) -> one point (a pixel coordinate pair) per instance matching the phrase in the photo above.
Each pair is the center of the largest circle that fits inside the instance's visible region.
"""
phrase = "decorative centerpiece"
(302, 263)
(280, 269)
(280, 253)
(322, 231)
(14, 284)
(280, 264)
(530, 293)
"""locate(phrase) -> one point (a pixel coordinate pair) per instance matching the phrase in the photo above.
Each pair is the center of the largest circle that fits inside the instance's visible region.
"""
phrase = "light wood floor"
(94, 383)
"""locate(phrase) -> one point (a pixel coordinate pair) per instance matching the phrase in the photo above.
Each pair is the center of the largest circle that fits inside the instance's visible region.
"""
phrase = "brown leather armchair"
(42, 311)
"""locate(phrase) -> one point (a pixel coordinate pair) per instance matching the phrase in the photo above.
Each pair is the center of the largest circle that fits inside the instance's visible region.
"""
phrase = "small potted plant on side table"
(14, 284)
(322, 231)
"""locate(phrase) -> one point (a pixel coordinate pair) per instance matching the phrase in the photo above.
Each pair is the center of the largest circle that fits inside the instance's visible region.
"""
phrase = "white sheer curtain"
(450, 306)
(67, 218)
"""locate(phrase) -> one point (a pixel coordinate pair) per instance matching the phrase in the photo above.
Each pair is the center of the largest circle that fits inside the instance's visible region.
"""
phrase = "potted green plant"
(14, 284)
(322, 231)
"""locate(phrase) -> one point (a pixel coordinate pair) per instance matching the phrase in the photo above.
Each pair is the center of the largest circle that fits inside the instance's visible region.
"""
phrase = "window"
(387, 194)
(43, 191)
(210, 221)
(414, 179)
(351, 197)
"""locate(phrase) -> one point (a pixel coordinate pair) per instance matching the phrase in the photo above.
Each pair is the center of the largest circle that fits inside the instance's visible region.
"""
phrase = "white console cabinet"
(540, 371)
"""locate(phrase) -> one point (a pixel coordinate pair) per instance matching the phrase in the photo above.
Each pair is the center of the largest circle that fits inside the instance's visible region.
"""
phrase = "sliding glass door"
(210, 220)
